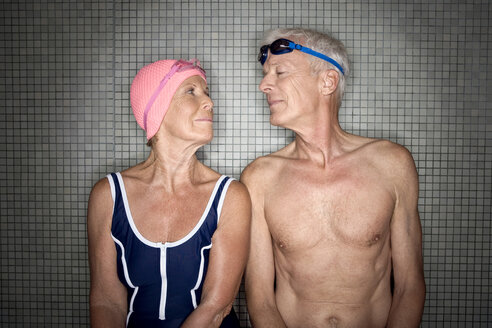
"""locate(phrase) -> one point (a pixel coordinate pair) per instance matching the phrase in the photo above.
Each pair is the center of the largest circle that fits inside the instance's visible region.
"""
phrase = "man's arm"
(260, 268)
(107, 298)
(228, 257)
(406, 247)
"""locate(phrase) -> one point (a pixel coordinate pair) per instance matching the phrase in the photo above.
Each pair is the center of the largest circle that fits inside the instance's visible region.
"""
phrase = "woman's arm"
(227, 260)
(107, 298)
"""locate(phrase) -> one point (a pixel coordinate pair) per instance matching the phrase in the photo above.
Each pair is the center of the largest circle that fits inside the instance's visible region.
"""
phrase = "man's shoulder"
(261, 166)
(264, 168)
(389, 157)
(389, 151)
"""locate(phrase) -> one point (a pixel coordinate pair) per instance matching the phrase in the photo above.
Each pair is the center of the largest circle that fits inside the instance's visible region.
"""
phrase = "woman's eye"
(191, 91)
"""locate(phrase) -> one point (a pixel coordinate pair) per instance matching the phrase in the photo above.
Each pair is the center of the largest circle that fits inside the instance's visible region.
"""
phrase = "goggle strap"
(306, 50)
(157, 91)
(294, 46)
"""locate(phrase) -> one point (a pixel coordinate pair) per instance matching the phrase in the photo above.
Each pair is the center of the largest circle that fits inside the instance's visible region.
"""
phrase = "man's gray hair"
(320, 42)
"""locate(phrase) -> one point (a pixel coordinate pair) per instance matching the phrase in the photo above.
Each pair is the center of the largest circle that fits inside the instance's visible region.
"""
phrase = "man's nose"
(266, 84)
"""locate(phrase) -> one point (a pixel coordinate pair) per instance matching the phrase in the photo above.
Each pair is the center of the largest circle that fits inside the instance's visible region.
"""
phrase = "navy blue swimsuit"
(164, 280)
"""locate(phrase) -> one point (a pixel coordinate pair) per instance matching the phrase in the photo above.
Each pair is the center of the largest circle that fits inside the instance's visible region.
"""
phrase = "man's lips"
(274, 102)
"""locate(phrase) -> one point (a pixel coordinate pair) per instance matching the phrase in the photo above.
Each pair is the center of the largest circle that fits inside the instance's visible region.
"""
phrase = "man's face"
(291, 90)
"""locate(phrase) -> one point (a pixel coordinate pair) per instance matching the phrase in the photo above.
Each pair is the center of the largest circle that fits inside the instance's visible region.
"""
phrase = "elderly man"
(335, 215)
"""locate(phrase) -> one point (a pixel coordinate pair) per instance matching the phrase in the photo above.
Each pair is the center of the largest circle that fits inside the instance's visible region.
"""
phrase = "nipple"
(374, 239)
(333, 322)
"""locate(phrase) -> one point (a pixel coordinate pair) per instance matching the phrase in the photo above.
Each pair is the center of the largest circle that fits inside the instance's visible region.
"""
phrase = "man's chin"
(273, 121)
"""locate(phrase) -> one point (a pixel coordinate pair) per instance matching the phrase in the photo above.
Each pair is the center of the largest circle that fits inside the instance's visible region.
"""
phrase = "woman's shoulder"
(100, 204)
(238, 190)
(237, 204)
(100, 189)
(235, 189)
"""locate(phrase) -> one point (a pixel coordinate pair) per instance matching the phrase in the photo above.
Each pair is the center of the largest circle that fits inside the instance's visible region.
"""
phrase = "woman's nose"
(208, 104)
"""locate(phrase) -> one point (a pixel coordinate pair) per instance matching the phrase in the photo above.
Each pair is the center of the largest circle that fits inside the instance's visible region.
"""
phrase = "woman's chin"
(206, 138)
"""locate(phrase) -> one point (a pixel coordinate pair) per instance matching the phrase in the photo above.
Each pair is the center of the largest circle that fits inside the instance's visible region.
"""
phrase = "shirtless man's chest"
(330, 231)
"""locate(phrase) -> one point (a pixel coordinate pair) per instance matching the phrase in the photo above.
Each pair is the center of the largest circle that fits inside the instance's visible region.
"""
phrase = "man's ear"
(328, 82)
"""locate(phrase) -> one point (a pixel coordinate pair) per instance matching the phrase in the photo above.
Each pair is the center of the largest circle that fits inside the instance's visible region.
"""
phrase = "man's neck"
(321, 145)
(320, 138)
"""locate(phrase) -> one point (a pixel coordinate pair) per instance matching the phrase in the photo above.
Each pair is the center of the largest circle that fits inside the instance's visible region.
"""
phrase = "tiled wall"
(421, 76)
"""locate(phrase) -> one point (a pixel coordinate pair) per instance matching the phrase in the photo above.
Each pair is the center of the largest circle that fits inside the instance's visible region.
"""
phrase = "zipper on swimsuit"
(162, 305)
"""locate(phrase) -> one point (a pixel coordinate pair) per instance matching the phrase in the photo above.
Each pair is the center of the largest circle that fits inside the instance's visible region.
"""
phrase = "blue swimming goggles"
(284, 46)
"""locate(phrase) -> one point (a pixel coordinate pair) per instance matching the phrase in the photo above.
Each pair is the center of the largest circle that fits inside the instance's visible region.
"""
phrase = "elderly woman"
(168, 238)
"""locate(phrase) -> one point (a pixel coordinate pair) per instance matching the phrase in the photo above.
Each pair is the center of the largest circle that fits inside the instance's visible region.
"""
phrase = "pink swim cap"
(153, 88)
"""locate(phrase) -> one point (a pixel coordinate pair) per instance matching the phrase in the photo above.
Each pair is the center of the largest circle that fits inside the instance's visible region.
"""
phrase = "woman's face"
(190, 113)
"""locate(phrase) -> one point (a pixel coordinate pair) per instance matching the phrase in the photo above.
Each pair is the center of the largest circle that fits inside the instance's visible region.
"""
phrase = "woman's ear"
(329, 82)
